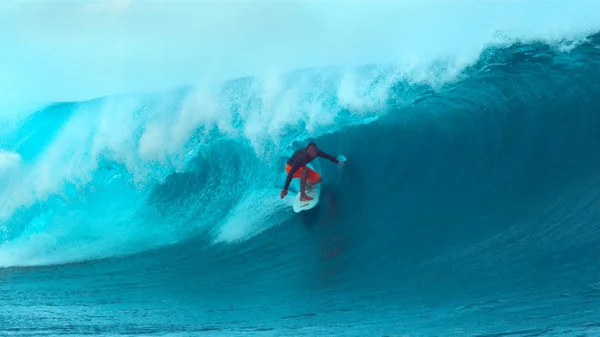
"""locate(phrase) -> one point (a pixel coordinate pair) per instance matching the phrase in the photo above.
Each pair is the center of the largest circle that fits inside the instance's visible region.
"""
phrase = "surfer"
(296, 168)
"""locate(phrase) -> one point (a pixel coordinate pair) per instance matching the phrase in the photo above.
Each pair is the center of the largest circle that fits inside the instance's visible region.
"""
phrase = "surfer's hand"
(283, 193)
(341, 163)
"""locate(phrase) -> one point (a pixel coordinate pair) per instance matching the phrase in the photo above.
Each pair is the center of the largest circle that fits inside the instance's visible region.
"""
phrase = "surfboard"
(315, 193)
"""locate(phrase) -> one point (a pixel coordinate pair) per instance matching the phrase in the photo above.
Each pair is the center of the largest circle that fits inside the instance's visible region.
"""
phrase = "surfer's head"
(311, 149)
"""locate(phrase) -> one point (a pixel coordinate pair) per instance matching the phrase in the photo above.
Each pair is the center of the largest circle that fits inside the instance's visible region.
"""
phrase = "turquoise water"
(467, 207)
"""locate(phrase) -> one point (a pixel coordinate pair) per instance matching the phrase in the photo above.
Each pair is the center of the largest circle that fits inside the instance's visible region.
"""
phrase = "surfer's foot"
(305, 198)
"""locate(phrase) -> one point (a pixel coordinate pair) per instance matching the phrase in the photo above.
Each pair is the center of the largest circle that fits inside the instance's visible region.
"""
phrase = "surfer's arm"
(288, 180)
(328, 156)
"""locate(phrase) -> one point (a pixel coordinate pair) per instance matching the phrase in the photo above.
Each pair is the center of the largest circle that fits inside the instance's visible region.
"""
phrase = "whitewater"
(143, 148)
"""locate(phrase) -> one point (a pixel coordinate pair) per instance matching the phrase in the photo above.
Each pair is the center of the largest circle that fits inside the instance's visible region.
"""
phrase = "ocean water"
(469, 205)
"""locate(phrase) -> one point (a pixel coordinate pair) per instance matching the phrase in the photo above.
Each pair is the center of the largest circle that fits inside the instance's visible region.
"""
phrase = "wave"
(124, 174)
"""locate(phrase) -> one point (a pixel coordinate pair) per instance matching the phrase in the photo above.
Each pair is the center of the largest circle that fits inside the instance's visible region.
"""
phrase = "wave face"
(467, 207)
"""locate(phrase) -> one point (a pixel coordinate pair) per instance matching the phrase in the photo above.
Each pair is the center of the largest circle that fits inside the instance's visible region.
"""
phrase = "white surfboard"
(315, 193)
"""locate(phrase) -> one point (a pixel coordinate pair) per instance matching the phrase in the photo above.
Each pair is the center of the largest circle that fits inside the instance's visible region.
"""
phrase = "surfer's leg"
(313, 178)
(311, 184)
(303, 196)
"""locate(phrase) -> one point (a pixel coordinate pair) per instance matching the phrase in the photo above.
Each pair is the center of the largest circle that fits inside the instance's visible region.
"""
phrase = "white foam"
(9, 165)
(169, 129)
(10, 178)
(259, 210)
(10, 170)
(65, 233)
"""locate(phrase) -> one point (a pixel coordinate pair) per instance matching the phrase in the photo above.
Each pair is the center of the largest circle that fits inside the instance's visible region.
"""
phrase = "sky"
(67, 50)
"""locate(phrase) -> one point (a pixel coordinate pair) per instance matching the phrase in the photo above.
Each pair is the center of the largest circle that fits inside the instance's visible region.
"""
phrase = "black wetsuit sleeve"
(288, 180)
(328, 156)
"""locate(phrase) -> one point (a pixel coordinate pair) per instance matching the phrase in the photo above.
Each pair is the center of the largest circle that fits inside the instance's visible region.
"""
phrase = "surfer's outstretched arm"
(328, 156)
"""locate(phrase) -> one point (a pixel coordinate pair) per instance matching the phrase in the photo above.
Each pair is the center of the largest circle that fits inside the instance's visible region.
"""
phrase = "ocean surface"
(469, 204)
